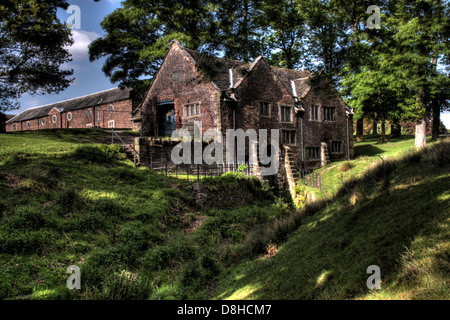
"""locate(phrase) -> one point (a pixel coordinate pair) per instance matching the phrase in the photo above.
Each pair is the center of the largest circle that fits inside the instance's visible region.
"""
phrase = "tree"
(32, 47)
(422, 32)
(138, 36)
(283, 26)
(238, 29)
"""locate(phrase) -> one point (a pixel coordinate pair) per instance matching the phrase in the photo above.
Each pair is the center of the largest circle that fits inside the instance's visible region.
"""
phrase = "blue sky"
(89, 77)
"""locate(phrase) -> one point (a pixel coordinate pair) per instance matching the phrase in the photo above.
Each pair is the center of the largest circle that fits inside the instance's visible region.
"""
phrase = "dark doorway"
(166, 117)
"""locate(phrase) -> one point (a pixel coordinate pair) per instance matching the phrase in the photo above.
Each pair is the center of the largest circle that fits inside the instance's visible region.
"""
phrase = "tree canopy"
(398, 70)
(32, 49)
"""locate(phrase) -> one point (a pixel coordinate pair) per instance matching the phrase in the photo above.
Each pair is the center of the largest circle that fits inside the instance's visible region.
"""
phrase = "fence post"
(320, 182)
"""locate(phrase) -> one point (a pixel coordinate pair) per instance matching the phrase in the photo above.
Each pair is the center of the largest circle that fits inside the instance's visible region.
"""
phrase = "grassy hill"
(135, 234)
(69, 200)
(392, 212)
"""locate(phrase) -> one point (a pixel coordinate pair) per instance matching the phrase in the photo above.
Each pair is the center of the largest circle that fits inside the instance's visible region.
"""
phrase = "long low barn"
(105, 109)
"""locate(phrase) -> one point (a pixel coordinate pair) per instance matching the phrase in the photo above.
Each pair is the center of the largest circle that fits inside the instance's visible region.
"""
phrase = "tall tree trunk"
(436, 121)
(383, 131)
(374, 126)
(421, 127)
(396, 129)
(245, 31)
(436, 111)
(359, 129)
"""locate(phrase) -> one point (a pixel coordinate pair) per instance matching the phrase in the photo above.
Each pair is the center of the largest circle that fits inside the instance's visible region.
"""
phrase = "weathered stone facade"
(106, 109)
(313, 120)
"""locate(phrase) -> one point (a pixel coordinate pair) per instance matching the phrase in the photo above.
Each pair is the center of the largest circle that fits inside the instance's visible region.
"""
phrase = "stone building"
(105, 109)
(314, 122)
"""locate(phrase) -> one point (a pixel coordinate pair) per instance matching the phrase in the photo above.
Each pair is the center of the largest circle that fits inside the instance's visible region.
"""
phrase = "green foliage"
(101, 154)
(194, 276)
(177, 250)
(34, 45)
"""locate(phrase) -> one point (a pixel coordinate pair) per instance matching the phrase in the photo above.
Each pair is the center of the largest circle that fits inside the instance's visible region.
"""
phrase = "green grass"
(69, 200)
(394, 215)
(136, 234)
(367, 153)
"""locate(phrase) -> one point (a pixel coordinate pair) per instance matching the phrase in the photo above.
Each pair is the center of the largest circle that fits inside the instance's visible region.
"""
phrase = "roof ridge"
(83, 96)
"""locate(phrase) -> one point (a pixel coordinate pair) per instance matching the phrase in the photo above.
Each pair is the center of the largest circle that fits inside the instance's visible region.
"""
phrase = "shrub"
(346, 166)
(121, 286)
(197, 274)
(102, 154)
(25, 242)
(177, 250)
(440, 154)
(27, 218)
(127, 174)
(68, 199)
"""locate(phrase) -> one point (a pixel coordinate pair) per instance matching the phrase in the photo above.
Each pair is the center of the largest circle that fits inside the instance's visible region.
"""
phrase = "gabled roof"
(300, 78)
(218, 71)
(102, 97)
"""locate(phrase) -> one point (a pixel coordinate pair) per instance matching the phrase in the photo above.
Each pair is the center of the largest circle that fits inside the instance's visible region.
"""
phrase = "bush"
(108, 207)
(177, 250)
(68, 199)
(21, 242)
(346, 166)
(27, 218)
(197, 274)
(121, 286)
(440, 154)
(102, 154)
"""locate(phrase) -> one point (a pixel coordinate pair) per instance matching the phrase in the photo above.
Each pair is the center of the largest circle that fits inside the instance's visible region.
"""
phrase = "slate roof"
(107, 96)
(217, 70)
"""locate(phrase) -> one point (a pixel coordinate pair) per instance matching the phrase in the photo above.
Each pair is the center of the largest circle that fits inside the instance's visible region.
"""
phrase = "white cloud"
(79, 49)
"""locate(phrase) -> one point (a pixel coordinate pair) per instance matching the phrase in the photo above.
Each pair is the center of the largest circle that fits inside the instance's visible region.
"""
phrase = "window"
(336, 146)
(28, 124)
(14, 127)
(69, 116)
(288, 136)
(328, 113)
(54, 118)
(286, 114)
(111, 109)
(312, 153)
(88, 113)
(43, 121)
(111, 124)
(264, 109)
(315, 113)
(192, 109)
(89, 125)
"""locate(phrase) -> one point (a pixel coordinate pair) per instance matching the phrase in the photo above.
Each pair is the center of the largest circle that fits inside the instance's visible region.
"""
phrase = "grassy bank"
(393, 213)
(135, 234)
(66, 199)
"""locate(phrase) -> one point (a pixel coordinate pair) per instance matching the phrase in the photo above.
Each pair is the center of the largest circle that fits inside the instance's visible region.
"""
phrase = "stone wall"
(180, 81)
(99, 117)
